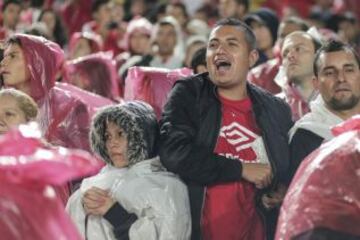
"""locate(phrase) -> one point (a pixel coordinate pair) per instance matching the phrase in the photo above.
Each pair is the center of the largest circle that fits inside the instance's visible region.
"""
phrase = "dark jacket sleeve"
(121, 220)
(302, 144)
(180, 152)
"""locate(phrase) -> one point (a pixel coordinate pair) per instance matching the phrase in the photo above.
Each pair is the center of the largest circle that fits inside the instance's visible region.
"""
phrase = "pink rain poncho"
(95, 73)
(323, 200)
(152, 85)
(29, 206)
(64, 111)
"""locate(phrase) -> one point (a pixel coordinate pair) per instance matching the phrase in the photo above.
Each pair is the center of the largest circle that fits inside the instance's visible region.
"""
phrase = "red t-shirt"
(229, 209)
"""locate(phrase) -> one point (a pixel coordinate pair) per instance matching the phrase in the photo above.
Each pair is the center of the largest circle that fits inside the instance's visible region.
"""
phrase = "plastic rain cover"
(152, 85)
(64, 111)
(95, 72)
(323, 200)
(29, 207)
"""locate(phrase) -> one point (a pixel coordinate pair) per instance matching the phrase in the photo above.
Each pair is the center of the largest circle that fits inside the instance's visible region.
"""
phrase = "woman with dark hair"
(56, 32)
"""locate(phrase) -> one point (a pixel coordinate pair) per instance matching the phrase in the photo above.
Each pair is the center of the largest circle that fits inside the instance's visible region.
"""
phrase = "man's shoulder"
(302, 133)
(305, 140)
(194, 83)
(266, 97)
(195, 80)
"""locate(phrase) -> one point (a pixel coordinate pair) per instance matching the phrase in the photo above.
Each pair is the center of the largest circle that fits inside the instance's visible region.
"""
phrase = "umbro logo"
(238, 136)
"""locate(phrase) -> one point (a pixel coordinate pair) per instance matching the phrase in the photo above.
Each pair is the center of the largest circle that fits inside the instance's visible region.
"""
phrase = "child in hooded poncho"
(132, 197)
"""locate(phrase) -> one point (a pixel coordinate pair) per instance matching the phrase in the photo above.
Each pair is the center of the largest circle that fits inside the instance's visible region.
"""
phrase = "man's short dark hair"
(7, 2)
(198, 59)
(304, 26)
(182, 6)
(97, 5)
(245, 3)
(249, 34)
(333, 46)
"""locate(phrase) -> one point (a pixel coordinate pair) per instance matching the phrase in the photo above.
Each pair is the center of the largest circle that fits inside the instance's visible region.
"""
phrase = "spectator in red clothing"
(264, 74)
(11, 10)
(75, 14)
(31, 65)
(227, 139)
(298, 52)
(102, 24)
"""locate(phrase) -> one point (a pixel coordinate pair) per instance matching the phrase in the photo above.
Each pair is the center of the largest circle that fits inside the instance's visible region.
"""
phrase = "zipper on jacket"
(219, 115)
(271, 161)
(201, 212)
(262, 216)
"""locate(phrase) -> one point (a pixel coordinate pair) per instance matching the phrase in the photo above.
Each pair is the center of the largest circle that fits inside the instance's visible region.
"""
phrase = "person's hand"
(274, 198)
(257, 173)
(97, 201)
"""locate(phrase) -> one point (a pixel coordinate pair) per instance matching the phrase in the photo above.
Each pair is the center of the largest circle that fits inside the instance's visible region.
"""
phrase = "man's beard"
(342, 105)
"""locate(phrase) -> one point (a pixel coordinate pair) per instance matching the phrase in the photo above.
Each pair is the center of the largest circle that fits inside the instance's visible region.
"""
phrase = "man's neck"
(236, 93)
(165, 57)
(305, 88)
(346, 114)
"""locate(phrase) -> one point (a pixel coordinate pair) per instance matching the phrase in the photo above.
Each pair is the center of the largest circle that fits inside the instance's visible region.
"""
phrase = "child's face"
(116, 145)
(10, 114)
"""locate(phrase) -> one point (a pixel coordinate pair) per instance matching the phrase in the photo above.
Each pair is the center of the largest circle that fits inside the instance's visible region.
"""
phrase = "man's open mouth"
(222, 65)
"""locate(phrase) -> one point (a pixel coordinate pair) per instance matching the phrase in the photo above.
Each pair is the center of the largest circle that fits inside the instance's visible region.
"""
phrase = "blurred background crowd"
(167, 34)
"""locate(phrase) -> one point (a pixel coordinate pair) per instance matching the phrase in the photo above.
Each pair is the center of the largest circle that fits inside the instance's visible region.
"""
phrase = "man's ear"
(253, 57)
(315, 82)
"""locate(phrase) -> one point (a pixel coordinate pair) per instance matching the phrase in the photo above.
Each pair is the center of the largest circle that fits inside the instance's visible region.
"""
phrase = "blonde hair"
(24, 101)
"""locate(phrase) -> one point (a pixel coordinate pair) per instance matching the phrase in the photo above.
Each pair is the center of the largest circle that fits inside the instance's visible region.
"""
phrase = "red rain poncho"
(64, 111)
(323, 199)
(152, 85)
(29, 206)
(97, 73)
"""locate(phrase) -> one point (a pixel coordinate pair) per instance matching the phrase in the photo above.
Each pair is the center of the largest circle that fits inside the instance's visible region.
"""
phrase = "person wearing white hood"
(337, 77)
(168, 45)
(132, 197)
